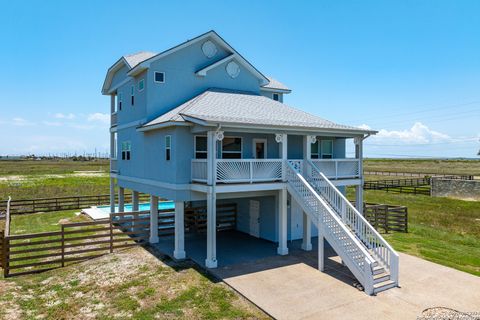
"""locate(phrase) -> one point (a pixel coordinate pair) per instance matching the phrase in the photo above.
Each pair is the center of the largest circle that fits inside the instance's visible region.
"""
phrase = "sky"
(408, 69)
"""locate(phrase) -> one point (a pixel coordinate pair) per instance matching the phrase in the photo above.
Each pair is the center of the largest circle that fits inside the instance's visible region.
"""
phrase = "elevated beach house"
(201, 126)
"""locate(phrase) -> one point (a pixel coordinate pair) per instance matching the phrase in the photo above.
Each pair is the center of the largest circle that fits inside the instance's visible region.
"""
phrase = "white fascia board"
(203, 72)
(331, 131)
(163, 125)
(111, 71)
(212, 34)
(275, 90)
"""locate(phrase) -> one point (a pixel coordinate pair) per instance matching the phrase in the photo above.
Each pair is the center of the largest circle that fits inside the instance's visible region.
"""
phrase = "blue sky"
(409, 69)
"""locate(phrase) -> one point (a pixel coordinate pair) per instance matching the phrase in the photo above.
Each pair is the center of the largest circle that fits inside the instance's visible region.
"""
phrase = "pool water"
(163, 205)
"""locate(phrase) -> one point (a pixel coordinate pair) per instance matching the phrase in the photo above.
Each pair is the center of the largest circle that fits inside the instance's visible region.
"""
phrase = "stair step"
(384, 285)
(381, 277)
(378, 270)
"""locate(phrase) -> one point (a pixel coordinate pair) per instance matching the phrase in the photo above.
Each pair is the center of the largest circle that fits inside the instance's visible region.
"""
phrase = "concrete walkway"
(290, 287)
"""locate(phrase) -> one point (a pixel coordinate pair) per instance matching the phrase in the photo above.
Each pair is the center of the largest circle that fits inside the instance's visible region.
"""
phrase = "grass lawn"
(466, 167)
(39, 167)
(129, 284)
(442, 230)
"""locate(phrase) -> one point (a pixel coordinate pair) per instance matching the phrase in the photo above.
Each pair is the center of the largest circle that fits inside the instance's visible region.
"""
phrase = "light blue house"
(198, 124)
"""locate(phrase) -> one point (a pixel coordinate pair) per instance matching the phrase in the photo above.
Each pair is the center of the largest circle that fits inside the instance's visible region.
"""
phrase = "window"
(114, 147)
(276, 97)
(314, 152)
(322, 149)
(200, 147)
(231, 148)
(119, 101)
(168, 147)
(141, 85)
(126, 149)
(159, 77)
(327, 149)
(132, 93)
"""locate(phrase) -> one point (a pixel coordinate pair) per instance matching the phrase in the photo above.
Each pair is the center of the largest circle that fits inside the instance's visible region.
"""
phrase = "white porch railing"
(199, 170)
(267, 170)
(340, 237)
(354, 219)
(248, 170)
(338, 168)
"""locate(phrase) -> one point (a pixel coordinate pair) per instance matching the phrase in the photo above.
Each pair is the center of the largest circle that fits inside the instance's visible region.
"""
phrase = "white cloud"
(100, 117)
(417, 134)
(52, 123)
(21, 122)
(68, 116)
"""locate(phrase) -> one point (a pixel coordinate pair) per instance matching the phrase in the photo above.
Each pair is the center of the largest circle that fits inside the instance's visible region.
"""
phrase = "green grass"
(460, 167)
(42, 222)
(39, 167)
(47, 187)
(442, 230)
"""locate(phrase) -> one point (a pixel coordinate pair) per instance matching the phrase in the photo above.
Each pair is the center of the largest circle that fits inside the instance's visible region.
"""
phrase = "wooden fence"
(386, 217)
(60, 203)
(415, 186)
(420, 175)
(74, 242)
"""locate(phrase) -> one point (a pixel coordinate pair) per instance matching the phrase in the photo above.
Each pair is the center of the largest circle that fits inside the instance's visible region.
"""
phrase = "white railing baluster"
(354, 220)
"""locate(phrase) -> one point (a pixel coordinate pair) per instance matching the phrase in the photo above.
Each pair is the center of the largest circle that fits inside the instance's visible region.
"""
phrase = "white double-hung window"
(126, 150)
(232, 148)
(322, 149)
(200, 147)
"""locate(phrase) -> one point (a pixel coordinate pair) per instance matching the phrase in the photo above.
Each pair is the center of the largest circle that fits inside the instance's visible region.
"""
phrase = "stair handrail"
(392, 265)
(367, 258)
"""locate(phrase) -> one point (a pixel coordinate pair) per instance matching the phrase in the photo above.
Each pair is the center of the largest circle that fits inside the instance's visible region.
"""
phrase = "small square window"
(276, 97)
(141, 85)
(159, 77)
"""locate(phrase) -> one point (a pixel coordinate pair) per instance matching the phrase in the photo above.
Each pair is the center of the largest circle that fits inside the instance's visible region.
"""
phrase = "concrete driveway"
(290, 287)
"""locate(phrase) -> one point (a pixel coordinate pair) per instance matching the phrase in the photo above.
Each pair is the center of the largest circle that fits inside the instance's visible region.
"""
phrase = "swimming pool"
(103, 212)
(162, 205)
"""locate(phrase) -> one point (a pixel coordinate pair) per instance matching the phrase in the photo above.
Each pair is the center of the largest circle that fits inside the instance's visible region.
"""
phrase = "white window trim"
(141, 81)
(231, 152)
(321, 149)
(154, 76)
(195, 146)
(254, 149)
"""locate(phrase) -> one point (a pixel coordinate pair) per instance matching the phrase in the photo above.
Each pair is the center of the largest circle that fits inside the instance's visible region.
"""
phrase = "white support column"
(135, 200)
(121, 199)
(112, 195)
(321, 254)
(179, 252)
(307, 233)
(153, 219)
(211, 156)
(283, 140)
(211, 260)
(359, 189)
(282, 222)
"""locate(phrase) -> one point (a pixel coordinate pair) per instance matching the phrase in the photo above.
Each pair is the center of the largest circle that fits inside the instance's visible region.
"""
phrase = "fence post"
(5, 255)
(63, 246)
(111, 234)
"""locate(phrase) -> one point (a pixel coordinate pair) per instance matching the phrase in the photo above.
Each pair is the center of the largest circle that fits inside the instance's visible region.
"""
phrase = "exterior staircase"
(363, 250)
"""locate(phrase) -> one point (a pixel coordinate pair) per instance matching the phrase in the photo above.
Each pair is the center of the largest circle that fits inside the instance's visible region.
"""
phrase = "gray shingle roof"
(275, 84)
(236, 107)
(136, 58)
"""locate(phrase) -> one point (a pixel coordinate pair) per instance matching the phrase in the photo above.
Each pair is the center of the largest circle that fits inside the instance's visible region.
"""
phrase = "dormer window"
(132, 93)
(276, 97)
(159, 77)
